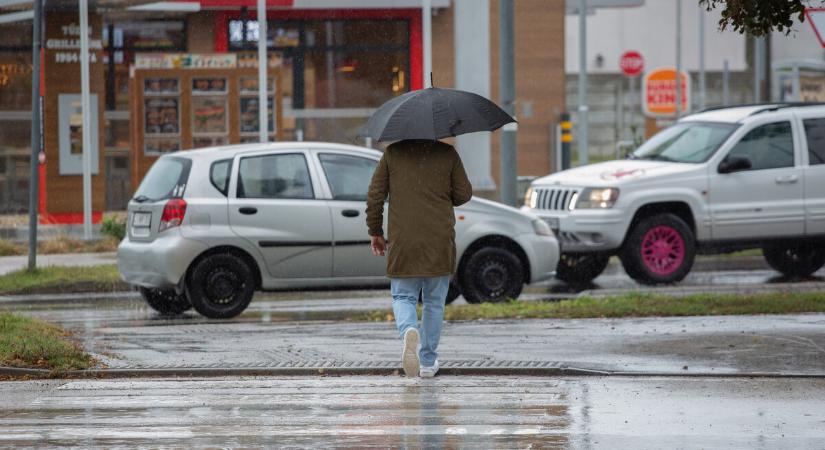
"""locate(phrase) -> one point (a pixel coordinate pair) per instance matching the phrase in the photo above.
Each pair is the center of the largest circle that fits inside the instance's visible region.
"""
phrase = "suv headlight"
(541, 228)
(531, 198)
(597, 198)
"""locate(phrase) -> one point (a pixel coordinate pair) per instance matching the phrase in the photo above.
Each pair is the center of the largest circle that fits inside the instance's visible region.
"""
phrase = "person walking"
(424, 180)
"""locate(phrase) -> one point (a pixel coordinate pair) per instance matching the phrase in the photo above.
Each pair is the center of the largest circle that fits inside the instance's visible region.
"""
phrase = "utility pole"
(679, 92)
(34, 161)
(86, 108)
(427, 26)
(758, 67)
(702, 82)
(263, 86)
(725, 83)
(507, 92)
(582, 82)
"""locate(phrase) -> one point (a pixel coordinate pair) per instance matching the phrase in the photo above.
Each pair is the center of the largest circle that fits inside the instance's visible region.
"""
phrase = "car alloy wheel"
(658, 249)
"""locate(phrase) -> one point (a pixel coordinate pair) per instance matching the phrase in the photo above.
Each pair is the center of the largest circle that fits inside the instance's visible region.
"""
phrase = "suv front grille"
(554, 199)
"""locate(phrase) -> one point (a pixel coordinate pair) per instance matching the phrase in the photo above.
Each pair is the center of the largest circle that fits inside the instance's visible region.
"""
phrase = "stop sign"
(632, 63)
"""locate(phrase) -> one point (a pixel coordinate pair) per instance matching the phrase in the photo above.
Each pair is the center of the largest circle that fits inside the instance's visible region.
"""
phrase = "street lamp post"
(86, 108)
(263, 88)
(678, 58)
(507, 91)
(582, 82)
(34, 193)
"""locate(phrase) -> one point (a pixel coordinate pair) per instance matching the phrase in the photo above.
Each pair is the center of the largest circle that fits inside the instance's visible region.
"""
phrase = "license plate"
(553, 222)
(141, 219)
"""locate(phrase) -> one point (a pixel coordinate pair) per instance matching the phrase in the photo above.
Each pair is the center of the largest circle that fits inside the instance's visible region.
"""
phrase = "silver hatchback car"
(207, 228)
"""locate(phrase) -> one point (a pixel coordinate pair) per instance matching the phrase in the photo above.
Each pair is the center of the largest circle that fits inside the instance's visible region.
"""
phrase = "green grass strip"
(31, 343)
(59, 279)
(633, 305)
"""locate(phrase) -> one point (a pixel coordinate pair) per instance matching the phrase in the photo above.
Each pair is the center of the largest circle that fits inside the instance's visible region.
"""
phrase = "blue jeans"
(404, 301)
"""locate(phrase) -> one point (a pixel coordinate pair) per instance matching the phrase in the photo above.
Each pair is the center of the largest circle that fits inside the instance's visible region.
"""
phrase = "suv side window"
(348, 176)
(768, 146)
(219, 175)
(274, 176)
(815, 132)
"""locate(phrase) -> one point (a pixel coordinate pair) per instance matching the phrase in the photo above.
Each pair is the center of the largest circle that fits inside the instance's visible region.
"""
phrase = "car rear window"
(166, 179)
(219, 175)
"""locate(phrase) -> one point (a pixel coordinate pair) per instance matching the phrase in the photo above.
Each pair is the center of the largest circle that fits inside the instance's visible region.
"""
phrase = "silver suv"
(207, 228)
(717, 181)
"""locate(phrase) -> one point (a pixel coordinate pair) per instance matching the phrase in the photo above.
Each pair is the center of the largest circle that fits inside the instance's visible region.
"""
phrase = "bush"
(114, 227)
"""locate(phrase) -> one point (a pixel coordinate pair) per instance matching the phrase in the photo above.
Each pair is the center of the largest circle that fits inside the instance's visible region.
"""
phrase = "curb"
(211, 372)
(69, 297)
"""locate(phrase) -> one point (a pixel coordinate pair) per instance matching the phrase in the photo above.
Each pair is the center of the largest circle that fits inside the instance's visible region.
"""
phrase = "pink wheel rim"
(663, 250)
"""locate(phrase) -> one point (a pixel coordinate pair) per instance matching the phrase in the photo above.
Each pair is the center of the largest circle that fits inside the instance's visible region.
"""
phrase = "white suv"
(207, 228)
(717, 181)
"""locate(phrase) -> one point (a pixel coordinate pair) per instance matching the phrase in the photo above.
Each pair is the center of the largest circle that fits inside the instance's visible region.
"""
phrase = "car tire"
(658, 249)
(221, 286)
(795, 258)
(492, 274)
(581, 268)
(453, 292)
(165, 301)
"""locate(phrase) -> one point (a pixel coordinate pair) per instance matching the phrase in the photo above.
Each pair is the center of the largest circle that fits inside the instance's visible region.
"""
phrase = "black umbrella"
(434, 113)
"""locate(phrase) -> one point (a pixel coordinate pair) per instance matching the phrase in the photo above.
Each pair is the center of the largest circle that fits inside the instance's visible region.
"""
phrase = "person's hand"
(378, 245)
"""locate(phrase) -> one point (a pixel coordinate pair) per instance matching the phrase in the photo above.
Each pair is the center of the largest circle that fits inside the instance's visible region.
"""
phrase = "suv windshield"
(166, 179)
(685, 142)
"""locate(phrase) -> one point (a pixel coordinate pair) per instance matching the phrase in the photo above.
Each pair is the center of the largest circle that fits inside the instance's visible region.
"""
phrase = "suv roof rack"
(765, 106)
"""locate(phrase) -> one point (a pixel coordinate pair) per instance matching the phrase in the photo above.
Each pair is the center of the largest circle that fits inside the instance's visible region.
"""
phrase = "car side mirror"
(734, 164)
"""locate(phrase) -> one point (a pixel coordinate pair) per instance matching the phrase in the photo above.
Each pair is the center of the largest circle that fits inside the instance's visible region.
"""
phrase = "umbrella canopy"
(434, 113)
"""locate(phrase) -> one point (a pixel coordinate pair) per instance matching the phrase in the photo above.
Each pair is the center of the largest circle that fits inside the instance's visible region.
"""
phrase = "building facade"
(336, 61)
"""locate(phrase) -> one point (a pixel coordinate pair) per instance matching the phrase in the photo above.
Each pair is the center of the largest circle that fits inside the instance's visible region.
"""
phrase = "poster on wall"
(202, 142)
(161, 145)
(209, 85)
(249, 115)
(160, 86)
(209, 115)
(161, 116)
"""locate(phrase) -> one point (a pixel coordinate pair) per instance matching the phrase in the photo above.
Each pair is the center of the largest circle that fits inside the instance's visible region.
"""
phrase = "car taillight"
(173, 213)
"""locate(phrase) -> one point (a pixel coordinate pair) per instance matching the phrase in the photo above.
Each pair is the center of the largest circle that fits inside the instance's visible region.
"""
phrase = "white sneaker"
(409, 356)
(429, 372)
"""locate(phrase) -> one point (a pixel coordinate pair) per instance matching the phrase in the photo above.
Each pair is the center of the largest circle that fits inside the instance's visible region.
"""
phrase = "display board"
(189, 108)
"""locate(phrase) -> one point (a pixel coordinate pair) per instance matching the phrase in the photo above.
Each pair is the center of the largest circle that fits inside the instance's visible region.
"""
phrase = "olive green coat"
(424, 180)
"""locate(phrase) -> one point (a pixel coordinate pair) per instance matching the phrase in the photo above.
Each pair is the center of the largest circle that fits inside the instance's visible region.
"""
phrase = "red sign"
(816, 17)
(659, 92)
(632, 63)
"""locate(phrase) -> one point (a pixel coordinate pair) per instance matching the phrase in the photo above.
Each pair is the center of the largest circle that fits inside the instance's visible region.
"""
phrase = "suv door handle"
(788, 179)
(248, 210)
(350, 213)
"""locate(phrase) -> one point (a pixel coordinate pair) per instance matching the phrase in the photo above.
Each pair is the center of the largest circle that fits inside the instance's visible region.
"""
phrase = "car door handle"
(248, 210)
(788, 179)
(350, 213)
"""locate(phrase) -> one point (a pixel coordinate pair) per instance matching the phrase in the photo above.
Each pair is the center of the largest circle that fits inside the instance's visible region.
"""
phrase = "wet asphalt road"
(394, 412)
(697, 410)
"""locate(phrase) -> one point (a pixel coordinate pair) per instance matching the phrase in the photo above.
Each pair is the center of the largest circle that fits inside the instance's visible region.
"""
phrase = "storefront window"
(16, 36)
(15, 115)
(15, 81)
(121, 40)
(335, 71)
